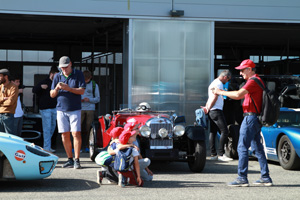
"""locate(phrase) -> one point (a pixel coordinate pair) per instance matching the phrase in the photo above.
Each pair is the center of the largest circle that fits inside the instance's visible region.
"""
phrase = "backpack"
(104, 158)
(122, 160)
(94, 87)
(270, 105)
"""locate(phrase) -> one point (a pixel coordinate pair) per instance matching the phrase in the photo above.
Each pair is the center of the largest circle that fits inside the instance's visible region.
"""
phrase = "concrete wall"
(236, 10)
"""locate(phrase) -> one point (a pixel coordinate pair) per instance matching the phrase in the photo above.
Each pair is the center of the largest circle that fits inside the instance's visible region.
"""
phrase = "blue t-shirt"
(68, 101)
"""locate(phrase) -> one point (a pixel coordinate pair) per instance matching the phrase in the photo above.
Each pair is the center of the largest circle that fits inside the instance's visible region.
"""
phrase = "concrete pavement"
(172, 180)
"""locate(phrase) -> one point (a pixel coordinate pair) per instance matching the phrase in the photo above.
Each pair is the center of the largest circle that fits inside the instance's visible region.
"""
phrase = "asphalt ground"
(172, 180)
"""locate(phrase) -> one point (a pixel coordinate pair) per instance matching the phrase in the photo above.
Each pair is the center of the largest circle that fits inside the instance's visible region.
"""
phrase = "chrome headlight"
(163, 132)
(179, 130)
(145, 131)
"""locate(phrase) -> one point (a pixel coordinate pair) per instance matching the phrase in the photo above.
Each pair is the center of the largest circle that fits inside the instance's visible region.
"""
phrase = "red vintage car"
(162, 136)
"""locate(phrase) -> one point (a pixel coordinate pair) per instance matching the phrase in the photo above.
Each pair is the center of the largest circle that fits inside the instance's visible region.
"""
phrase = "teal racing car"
(21, 160)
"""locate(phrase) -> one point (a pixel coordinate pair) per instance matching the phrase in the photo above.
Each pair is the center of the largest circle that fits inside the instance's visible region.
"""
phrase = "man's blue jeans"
(18, 123)
(250, 135)
(7, 123)
(49, 124)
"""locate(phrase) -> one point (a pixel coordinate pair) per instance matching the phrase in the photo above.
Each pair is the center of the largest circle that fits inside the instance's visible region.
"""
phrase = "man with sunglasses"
(214, 109)
(250, 127)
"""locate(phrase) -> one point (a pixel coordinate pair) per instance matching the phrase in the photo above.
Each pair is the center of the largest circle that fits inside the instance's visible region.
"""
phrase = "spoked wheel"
(198, 155)
(287, 155)
(93, 143)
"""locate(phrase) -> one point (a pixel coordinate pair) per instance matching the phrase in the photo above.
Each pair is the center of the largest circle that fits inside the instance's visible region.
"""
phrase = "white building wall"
(276, 10)
(246, 10)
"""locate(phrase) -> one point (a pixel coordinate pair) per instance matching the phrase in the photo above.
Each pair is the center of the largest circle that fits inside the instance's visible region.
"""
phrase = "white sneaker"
(120, 180)
(224, 158)
(111, 182)
(99, 178)
(213, 157)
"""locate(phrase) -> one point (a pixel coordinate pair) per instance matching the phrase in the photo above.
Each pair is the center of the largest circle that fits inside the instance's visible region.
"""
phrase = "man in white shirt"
(18, 121)
(214, 109)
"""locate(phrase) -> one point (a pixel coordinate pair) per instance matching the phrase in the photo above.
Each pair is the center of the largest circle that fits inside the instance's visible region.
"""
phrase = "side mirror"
(275, 125)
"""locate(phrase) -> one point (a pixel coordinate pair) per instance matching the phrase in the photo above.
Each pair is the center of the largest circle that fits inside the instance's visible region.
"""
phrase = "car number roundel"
(20, 155)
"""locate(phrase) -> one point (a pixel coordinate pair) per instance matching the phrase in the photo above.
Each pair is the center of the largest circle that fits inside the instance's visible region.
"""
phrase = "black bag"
(270, 105)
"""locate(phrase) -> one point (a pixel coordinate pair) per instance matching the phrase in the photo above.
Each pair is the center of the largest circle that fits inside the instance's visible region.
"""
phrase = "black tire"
(231, 149)
(93, 143)
(233, 139)
(287, 155)
(197, 154)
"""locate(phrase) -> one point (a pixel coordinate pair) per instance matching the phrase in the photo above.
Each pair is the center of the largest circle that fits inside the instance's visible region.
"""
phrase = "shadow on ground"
(48, 185)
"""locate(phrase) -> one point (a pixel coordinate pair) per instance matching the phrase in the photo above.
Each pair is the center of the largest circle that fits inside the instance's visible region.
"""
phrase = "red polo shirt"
(256, 93)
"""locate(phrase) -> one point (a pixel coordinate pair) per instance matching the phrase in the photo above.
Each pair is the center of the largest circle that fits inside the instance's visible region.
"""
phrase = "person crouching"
(133, 174)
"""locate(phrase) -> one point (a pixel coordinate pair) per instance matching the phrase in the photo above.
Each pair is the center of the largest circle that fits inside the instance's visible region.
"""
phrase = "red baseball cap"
(116, 132)
(246, 63)
(130, 125)
(124, 137)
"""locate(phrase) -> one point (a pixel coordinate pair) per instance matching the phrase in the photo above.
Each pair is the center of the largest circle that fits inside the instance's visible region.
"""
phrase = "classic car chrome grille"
(155, 128)
(161, 144)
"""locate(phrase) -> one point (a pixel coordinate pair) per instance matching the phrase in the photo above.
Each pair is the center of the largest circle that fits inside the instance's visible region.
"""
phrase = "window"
(2, 55)
(255, 58)
(37, 56)
(26, 55)
(101, 57)
(171, 64)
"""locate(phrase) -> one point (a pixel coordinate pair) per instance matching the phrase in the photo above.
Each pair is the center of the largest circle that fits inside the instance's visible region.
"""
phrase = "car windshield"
(289, 119)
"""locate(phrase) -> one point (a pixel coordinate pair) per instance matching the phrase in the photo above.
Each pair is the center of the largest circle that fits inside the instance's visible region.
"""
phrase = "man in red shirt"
(250, 127)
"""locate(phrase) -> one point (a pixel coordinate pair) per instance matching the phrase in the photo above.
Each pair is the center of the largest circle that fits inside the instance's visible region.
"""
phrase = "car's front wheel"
(287, 155)
(93, 142)
(197, 154)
